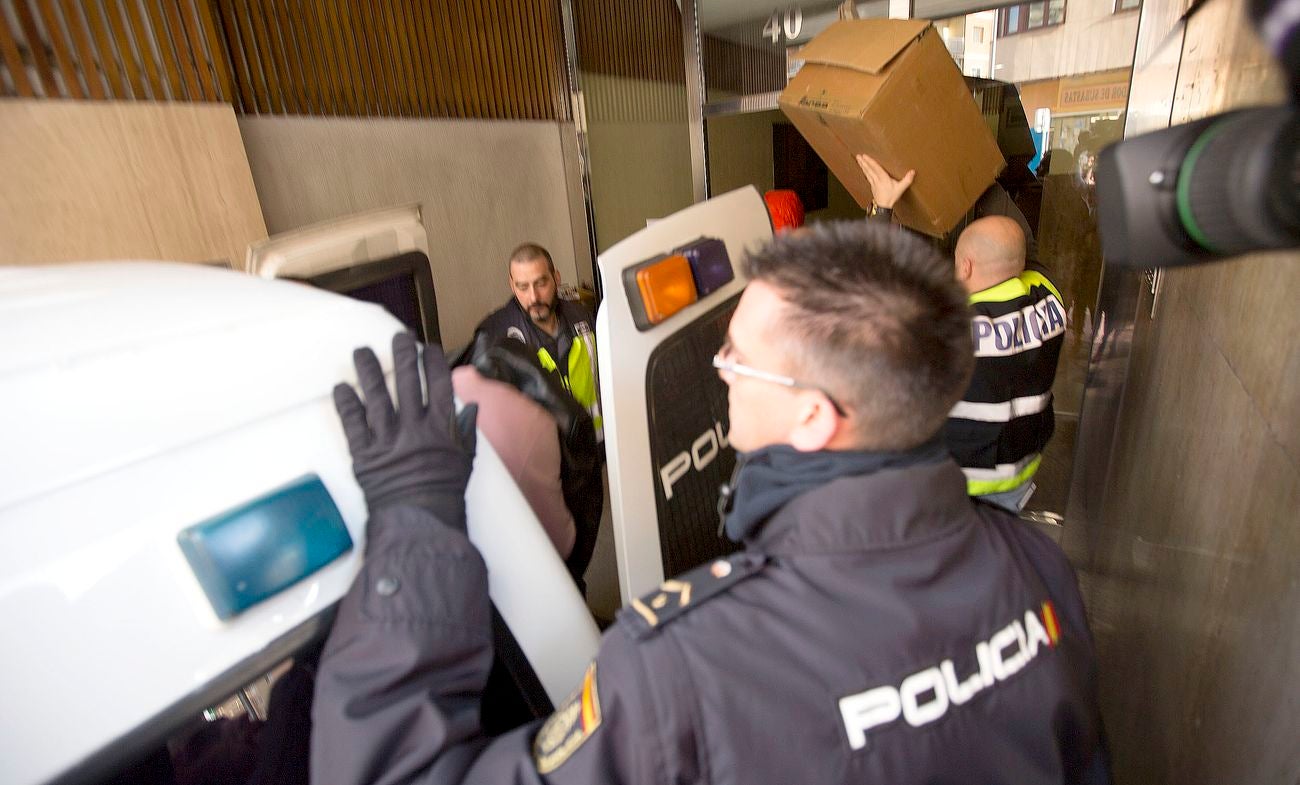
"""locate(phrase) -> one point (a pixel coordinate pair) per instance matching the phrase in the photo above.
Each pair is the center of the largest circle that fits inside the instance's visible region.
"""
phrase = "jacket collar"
(839, 506)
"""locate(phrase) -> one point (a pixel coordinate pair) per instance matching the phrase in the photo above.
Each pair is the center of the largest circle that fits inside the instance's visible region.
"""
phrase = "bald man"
(998, 430)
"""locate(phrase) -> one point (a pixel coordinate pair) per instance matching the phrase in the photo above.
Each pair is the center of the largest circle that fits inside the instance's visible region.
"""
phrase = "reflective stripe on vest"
(580, 380)
(1012, 288)
(1003, 477)
(1001, 412)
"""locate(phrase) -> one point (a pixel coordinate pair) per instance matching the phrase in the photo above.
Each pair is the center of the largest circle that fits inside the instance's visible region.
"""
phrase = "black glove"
(418, 455)
(507, 360)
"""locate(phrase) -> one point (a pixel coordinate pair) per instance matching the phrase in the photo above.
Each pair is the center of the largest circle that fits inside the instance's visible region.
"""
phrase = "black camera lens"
(1237, 185)
(1205, 190)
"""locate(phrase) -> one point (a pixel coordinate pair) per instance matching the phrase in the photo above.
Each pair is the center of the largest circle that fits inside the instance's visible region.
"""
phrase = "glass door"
(1064, 65)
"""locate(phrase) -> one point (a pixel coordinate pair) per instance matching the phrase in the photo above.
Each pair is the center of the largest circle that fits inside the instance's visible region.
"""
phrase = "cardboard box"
(890, 89)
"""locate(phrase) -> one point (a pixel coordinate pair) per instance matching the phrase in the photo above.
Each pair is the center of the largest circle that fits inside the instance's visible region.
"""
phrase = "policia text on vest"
(998, 430)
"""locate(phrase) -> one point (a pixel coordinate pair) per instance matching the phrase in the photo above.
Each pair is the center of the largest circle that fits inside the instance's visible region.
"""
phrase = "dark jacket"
(818, 654)
(575, 360)
(994, 201)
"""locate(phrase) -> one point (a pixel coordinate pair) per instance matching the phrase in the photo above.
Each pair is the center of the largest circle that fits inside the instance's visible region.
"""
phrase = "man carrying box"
(880, 95)
(886, 191)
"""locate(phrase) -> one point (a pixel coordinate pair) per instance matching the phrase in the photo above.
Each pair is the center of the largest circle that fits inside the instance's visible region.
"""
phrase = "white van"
(177, 502)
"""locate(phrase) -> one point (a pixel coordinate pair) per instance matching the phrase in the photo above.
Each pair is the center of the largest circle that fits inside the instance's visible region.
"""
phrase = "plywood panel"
(123, 180)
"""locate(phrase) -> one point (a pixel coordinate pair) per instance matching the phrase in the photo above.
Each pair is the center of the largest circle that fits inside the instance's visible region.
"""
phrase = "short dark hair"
(875, 316)
(527, 252)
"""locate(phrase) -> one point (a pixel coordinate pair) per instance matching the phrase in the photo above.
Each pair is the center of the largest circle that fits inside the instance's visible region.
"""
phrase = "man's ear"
(817, 425)
(965, 268)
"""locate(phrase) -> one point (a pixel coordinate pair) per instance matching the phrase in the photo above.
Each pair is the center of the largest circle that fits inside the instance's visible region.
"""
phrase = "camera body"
(1213, 188)
(1206, 190)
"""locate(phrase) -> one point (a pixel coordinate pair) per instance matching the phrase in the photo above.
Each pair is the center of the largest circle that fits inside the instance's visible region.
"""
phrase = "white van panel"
(139, 398)
(740, 220)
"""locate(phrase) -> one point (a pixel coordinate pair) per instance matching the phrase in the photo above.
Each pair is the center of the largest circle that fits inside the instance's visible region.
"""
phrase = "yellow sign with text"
(1106, 90)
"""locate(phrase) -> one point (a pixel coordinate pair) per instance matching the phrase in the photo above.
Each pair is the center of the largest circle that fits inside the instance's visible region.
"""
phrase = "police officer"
(998, 430)
(877, 626)
(559, 331)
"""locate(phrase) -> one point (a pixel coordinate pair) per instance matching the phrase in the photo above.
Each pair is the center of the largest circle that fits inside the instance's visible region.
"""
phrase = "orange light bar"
(666, 287)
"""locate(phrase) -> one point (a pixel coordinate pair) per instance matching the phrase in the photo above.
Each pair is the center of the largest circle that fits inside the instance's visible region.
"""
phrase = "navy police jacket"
(875, 628)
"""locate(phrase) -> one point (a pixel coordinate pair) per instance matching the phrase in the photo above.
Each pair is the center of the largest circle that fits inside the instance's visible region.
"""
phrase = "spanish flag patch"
(1051, 622)
(570, 725)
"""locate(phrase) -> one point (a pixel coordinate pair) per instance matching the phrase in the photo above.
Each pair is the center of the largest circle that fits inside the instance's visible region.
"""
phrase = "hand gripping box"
(890, 89)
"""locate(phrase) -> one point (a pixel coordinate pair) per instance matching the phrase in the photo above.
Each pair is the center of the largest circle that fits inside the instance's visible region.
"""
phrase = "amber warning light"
(660, 287)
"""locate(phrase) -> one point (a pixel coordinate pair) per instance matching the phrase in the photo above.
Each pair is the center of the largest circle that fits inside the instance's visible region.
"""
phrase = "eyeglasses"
(721, 362)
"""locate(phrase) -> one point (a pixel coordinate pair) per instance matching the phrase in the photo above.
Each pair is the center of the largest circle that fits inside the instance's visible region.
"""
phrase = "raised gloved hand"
(507, 360)
(419, 454)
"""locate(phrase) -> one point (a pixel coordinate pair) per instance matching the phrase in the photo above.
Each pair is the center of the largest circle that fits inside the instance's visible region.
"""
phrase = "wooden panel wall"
(490, 59)
(160, 50)
(741, 70)
(642, 39)
(637, 39)
(124, 180)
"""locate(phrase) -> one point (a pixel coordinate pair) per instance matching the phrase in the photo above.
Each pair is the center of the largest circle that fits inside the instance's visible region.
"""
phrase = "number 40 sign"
(789, 22)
